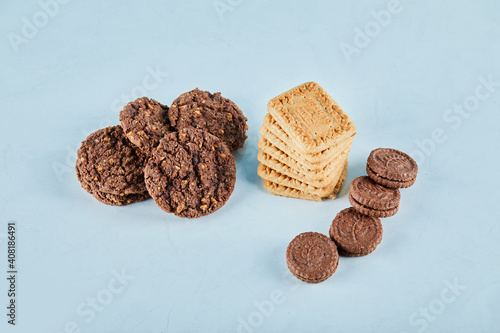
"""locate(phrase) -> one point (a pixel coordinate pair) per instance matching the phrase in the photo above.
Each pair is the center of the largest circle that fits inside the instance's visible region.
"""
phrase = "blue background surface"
(402, 81)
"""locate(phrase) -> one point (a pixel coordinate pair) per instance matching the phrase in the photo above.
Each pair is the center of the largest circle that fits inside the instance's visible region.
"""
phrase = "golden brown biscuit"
(311, 118)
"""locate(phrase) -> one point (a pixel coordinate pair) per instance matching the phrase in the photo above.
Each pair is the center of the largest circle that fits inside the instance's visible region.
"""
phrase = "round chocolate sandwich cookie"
(372, 211)
(392, 168)
(354, 233)
(145, 122)
(388, 183)
(191, 173)
(211, 112)
(108, 162)
(120, 200)
(373, 195)
(312, 257)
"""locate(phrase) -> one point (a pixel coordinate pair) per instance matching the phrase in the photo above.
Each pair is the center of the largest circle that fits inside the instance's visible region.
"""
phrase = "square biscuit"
(274, 176)
(271, 125)
(277, 189)
(315, 178)
(265, 146)
(309, 160)
(311, 118)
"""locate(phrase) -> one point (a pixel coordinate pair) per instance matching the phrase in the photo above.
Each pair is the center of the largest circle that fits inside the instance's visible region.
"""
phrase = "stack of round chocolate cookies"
(377, 194)
(180, 156)
(357, 230)
(372, 197)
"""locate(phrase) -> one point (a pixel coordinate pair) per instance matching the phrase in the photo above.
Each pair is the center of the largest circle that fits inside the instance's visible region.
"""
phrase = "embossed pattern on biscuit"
(368, 193)
(312, 257)
(356, 233)
(392, 164)
(311, 117)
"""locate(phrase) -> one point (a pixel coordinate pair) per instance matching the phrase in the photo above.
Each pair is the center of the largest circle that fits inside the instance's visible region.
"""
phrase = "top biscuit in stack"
(305, 140)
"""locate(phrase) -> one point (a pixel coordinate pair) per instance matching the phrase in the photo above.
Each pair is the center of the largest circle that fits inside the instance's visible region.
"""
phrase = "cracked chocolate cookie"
(354, 233)
(312, 257)
(108, 162)
(211, 112)
(145, 122)
(191, 173)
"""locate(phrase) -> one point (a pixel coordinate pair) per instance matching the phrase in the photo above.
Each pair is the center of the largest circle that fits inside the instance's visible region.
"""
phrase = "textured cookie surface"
(191, 173)
(312, 257)
(392, 164)
(211, 112)
(311, 118)
(145, 122)
(108, 162)
(373, 195)
(355, 233)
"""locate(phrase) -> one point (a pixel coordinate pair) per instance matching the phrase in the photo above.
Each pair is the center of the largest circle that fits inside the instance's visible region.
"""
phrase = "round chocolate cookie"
(211, 112)
(354, 233)
(368, 193)
(108, 162)
(191, 173)
(120, 200)
(392, 168)
(145, 122)
(312, 257)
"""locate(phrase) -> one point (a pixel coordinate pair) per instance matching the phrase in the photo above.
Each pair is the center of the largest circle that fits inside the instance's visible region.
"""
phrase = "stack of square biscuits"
(304, 144)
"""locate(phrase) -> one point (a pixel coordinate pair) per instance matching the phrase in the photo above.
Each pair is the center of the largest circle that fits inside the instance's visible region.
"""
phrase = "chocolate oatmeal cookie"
(108, 162)
(211, 112)
(191, 173)
(145, 122)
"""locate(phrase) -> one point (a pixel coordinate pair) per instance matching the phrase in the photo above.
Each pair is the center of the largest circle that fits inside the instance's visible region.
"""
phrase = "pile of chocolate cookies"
(180, 156)
(357, 230)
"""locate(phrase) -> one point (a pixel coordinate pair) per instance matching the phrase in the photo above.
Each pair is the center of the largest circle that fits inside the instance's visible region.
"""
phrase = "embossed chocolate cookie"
(392, 168)
(312, 257)
(145, 122)
(211, 112)
(373, 195)
(108, 162)
(354, 233)
(191, 173)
